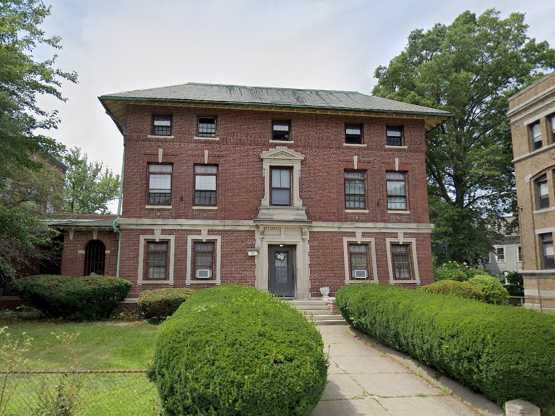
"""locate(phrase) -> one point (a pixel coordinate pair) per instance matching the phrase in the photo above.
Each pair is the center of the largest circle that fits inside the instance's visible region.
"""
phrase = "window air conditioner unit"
(361, 274)
(204, 274)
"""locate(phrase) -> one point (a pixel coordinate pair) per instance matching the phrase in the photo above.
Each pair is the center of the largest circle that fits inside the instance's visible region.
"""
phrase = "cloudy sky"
(118, 45)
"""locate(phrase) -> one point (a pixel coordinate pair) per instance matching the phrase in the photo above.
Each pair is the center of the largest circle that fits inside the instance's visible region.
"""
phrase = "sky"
(120, 45)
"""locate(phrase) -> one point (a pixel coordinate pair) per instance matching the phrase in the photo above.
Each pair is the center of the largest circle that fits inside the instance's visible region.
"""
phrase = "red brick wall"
(243, 136)
(326, 257)
(327, 264)
(73, 262)
(236, 266)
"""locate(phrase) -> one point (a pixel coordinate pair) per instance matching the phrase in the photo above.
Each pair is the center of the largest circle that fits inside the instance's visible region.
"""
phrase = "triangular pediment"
(282, 153)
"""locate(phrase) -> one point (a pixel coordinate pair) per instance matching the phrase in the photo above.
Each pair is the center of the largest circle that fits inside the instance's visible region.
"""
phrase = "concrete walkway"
(365, 378)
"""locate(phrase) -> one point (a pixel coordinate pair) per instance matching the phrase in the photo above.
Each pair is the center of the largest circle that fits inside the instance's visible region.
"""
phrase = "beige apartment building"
(532, 117)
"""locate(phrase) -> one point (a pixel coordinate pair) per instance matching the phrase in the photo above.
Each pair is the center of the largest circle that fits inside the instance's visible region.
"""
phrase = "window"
(280, 186)
(157, 260)
(281, 130)
(160, 184)
(542, 192)
(551, 119)
(500, 254)
(162, 125)
(520, 253)
(358, 261)
(394, 136)
(355, 190)
(206, 126)
(536, 133)
(396, 183)
(205, 185)
(203, 260)
(401, 262)
(546, 247)
(353, 133)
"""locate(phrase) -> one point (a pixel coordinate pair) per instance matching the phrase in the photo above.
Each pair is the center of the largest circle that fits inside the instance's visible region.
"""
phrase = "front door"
(281, 265)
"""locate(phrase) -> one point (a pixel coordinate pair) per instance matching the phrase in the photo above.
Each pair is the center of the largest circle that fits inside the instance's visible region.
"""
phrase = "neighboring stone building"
(532, 116)
(287, 190)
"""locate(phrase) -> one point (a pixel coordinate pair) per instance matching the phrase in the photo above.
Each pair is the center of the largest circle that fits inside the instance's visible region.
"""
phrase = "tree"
(468, 68)
(89, 187)
(22, 79)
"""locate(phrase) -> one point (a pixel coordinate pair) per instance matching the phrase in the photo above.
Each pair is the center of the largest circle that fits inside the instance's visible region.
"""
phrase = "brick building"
(532, 116)
(287, 190)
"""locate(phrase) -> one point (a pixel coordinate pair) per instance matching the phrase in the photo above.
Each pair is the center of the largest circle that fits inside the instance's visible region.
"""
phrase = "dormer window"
(206, 127)
(536, 135)
(281, 130)
(353, 133)
(162, 125)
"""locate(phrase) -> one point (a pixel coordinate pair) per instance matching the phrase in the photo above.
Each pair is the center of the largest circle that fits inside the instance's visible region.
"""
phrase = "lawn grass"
(98, 346)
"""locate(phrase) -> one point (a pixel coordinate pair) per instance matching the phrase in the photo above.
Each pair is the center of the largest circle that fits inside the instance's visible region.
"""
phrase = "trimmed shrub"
(504, 352)
(490, 288)
(158, 304)
(235, 350)
(453, 288)
(452, 270)
(77, 298)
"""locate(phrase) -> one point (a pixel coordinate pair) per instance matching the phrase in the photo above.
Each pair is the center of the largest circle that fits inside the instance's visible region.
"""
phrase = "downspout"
(115, 227)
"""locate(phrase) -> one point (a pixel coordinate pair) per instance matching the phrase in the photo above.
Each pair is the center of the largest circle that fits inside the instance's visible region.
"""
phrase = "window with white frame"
(281, 130)
(156, 259)
(358, 261)
(280, 192)
(159, 184)
(500, 254)
(355, 189)
(204, 253)
(394, 136)
(162, 125)
(542, 192)
(205, 185)
(536, 135)
(547, 254)
(206, 126)
(353, 133)
(396, 184)
(401, 261)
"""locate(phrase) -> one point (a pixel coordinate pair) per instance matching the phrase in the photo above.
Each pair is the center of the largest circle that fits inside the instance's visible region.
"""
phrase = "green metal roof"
(273, 97)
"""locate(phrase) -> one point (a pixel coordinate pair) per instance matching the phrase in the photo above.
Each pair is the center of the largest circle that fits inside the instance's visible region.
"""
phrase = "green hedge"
(76, 298)
(484, 288)
(453, 288)
(490, 288)
(158, 304)
(234, 350)
(504, 352)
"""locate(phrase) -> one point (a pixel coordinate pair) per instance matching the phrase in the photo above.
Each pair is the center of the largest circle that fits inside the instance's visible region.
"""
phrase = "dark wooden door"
(95, 254)
(281, 265)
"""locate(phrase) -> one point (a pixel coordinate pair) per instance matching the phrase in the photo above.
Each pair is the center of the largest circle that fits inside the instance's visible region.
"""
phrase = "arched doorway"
(94, 257)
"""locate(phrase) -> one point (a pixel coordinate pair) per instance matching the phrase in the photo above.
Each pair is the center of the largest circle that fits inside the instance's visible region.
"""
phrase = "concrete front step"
(322, 311)
(318, 312)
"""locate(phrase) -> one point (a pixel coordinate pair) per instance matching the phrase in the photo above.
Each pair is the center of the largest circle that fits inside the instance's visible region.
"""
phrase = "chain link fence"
(77, 393)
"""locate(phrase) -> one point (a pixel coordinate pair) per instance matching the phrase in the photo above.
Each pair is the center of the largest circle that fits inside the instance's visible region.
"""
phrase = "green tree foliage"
(468, 68)
(23, 78)
(89, 187)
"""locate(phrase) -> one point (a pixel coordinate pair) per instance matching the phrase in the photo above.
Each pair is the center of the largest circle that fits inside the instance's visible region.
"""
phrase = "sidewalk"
(368, 379)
